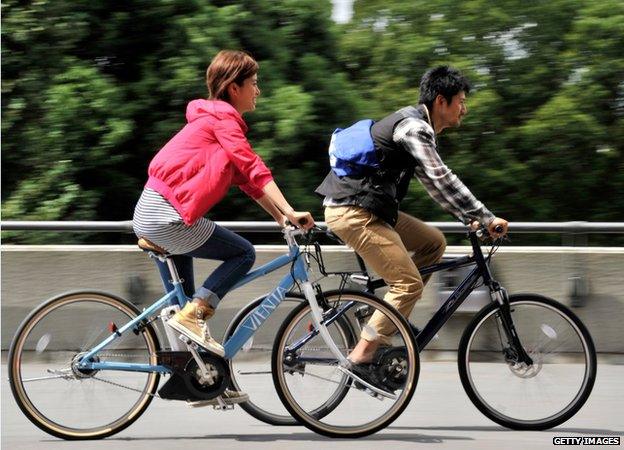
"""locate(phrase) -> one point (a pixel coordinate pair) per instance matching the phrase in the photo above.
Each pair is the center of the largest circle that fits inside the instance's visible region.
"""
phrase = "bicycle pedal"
(222, 406)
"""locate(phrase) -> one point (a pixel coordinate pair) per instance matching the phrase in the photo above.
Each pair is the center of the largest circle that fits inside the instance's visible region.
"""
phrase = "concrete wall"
(31, 274)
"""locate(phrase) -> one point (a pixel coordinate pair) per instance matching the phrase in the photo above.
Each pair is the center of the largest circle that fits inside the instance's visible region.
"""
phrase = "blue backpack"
(352, 150)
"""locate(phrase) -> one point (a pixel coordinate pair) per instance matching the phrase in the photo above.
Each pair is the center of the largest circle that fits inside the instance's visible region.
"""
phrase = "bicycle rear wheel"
(250, 368)
(59, 398)
(309, 379)
(543, 394)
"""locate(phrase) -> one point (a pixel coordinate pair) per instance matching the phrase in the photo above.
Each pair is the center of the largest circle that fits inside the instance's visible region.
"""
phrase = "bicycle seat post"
(169, 311)
(175, 278)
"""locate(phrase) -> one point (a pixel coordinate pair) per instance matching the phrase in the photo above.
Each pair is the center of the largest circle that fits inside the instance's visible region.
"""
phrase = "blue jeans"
(237, 254)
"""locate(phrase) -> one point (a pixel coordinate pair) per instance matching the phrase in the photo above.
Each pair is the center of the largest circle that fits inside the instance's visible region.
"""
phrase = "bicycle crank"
(189, 381)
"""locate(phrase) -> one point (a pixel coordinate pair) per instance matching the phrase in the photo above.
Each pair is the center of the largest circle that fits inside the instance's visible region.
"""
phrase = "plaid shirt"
(418, 138)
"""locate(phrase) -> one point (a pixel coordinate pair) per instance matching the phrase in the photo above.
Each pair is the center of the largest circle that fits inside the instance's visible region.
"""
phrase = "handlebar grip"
(302, 221)
(483, 231)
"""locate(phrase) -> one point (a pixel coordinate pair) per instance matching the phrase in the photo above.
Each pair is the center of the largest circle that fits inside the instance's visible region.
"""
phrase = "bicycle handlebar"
(293, 231)
(302, 221)
(483, 232)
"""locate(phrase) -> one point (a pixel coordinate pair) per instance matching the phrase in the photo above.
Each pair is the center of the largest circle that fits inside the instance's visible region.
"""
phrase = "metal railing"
(271, 227)
(574, 233)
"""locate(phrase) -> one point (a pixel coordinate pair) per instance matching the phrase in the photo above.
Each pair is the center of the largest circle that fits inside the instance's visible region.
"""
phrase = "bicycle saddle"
(149, 246)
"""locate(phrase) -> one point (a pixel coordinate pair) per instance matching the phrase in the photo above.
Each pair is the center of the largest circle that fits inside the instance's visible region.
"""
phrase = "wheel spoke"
(251, 366)
(308, 386)
(539, 396)
(51, 377)
(69, 403)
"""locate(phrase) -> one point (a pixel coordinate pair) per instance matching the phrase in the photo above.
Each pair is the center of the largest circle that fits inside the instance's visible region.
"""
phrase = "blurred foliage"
(543, 137)
(91, 90)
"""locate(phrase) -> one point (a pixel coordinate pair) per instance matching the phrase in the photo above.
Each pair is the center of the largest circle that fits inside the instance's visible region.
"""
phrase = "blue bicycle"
(86, 365)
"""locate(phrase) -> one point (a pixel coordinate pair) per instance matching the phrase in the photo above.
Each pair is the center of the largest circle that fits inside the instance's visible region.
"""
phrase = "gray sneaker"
(229, 397)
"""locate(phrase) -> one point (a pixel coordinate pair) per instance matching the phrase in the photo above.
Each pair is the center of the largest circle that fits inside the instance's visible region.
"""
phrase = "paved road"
(440, 416)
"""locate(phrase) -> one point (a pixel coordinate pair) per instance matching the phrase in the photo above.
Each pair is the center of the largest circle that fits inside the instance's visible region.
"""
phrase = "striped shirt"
(418, 138)
(157, 220)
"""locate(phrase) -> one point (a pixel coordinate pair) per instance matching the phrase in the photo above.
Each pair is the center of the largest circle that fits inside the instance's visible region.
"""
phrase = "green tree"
(93, 90)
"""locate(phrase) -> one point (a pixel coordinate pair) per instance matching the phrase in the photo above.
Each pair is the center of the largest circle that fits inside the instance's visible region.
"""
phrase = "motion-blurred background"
(92, 89)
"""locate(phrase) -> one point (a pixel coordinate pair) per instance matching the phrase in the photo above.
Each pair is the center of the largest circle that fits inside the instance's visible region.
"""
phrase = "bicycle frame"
(461, 292)
(298, 274)
(457, 297)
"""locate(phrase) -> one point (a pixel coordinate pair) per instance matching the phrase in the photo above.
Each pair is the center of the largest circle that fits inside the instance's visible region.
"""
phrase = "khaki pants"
(385, 250)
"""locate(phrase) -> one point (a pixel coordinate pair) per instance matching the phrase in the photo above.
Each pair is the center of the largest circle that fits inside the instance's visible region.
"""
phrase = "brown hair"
(229, 66)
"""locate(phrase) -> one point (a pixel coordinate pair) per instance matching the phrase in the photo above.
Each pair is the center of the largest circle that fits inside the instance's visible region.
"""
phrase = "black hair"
(442, 80)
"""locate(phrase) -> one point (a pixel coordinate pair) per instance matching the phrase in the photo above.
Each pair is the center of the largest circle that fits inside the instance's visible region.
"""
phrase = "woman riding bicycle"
(191, 174)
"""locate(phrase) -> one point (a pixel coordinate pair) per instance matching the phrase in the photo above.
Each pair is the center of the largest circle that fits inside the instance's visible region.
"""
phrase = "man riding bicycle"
(363, 209)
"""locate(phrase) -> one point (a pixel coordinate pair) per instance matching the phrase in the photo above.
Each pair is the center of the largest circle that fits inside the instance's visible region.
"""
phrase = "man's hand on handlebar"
(497, 228)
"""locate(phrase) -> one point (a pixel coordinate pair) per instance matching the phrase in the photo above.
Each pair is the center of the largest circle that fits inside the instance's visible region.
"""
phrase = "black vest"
(381, 191)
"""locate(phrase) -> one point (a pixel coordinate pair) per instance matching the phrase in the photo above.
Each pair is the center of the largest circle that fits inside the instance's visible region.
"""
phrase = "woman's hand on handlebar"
(301, 219)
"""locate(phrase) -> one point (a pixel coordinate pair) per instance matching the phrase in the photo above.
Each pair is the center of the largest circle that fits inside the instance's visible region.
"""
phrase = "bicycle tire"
(545, 307)
(257, 411)
(16, 357)
(314, 423)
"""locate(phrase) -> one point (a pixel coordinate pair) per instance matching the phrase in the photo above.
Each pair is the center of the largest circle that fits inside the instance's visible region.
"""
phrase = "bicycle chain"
(120, 355)
(113, 355)
(125, 387)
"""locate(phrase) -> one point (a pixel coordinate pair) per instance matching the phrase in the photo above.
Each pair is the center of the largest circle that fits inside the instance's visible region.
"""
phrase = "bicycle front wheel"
(61, 399)
(309, 378)
(538, 396)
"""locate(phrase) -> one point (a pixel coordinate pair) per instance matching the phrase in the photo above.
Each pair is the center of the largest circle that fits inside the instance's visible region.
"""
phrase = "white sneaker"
(229, 397)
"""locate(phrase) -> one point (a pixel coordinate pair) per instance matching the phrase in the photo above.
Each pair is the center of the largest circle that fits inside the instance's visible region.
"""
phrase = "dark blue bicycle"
(526, 361)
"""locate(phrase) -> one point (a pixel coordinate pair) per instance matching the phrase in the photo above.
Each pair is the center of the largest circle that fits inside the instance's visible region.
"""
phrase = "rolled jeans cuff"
(207, 295)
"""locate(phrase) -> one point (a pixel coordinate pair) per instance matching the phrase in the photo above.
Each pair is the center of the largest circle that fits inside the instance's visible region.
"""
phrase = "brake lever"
(309, 236)
(483, 235)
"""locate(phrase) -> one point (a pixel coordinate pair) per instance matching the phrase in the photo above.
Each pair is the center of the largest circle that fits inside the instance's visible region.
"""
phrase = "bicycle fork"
(317, 315)
(343, 362)
(499, 294)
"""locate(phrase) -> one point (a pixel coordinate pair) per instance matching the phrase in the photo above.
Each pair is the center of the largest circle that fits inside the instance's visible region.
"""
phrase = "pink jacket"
(195, 169)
